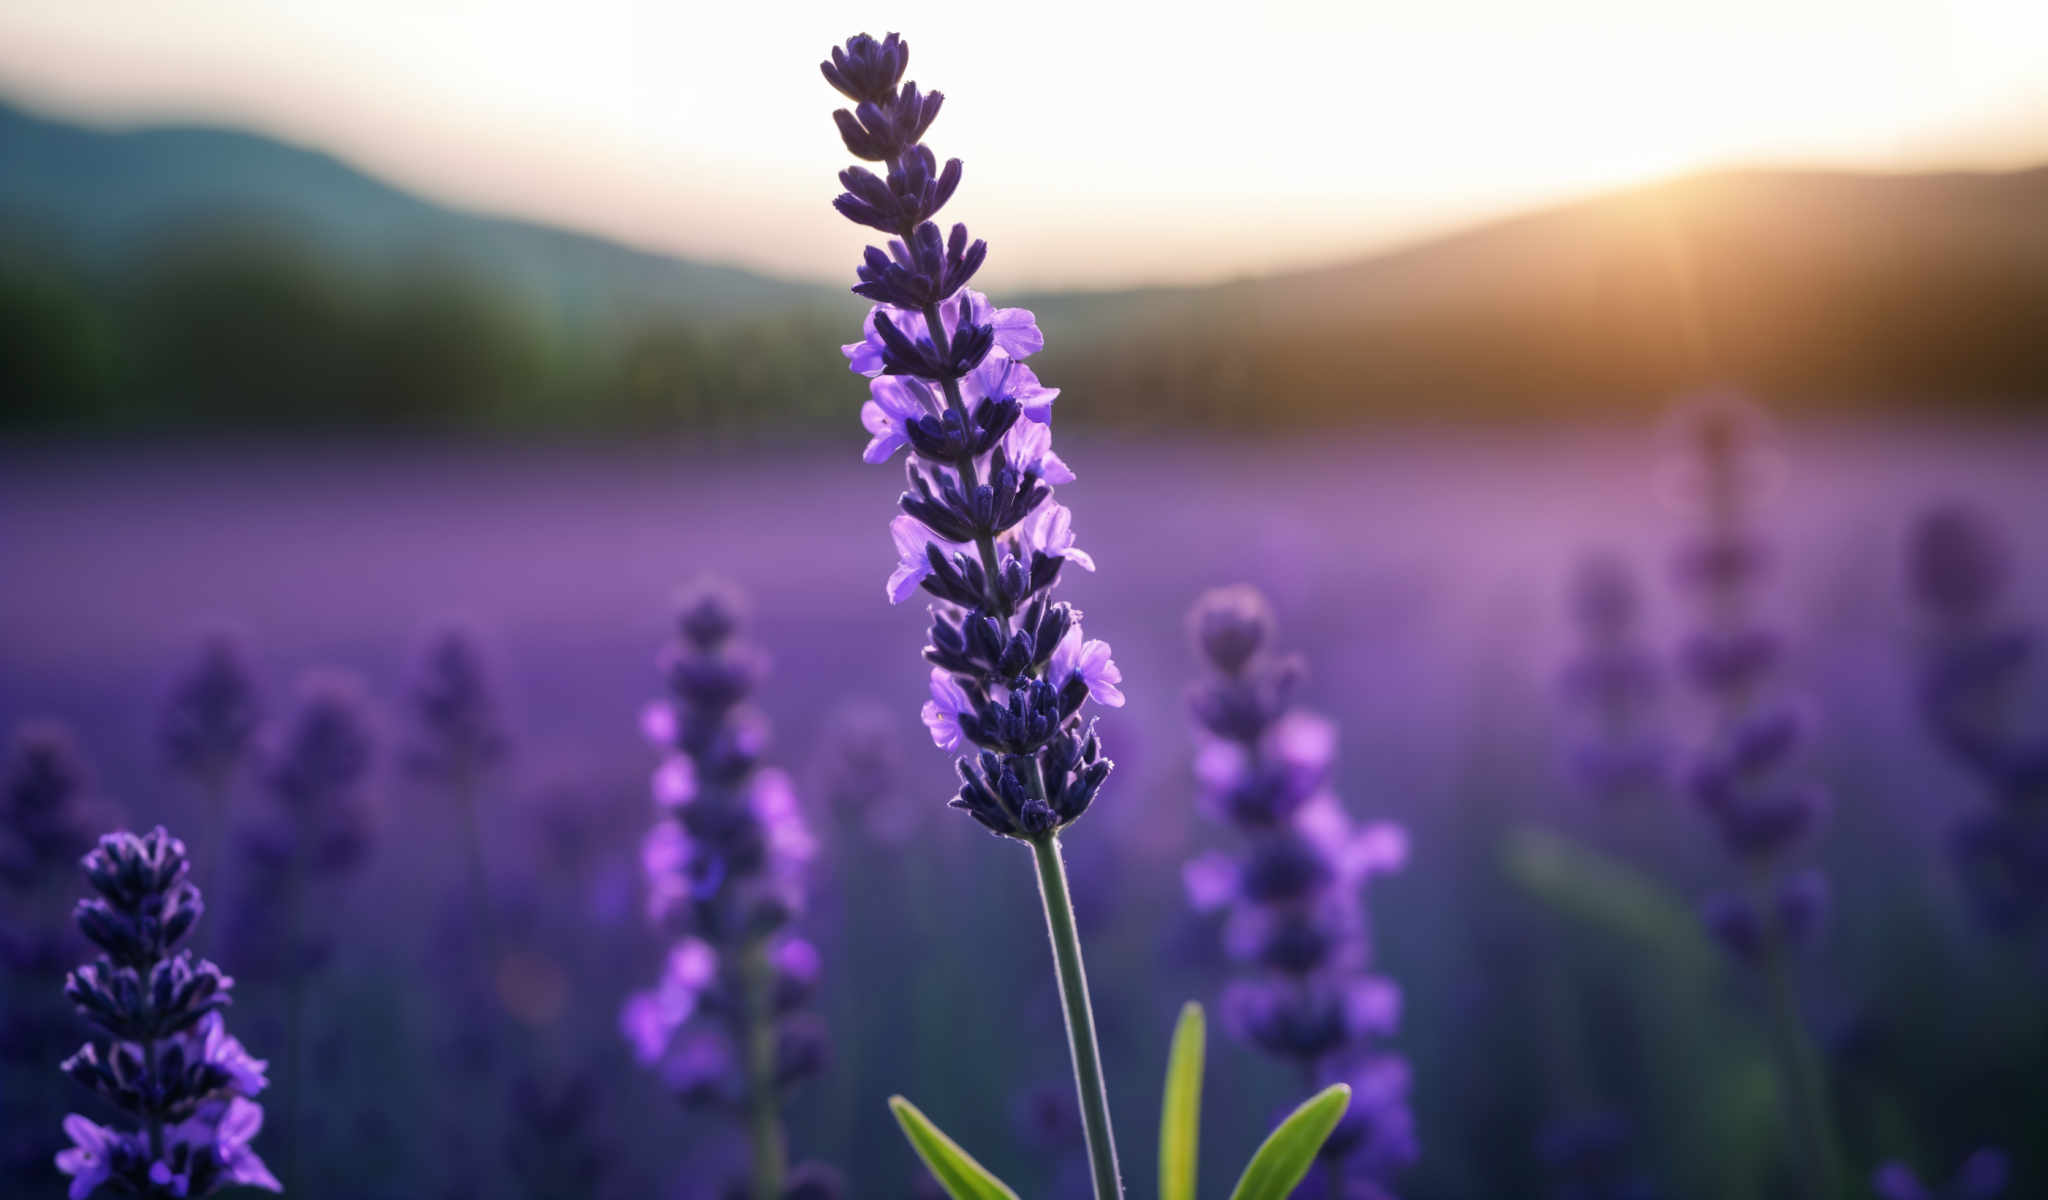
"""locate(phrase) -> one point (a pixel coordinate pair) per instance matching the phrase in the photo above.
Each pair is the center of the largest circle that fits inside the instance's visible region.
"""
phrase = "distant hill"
(1815, 287)
(109, 194)
(198, 279)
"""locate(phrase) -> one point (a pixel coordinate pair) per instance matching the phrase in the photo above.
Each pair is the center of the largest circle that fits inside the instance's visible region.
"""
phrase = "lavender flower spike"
(1743, 774)
(1973, 677)
(1292, 896)
(1612, 685)
(164, 1059)
(979, 530)
(726, 1023)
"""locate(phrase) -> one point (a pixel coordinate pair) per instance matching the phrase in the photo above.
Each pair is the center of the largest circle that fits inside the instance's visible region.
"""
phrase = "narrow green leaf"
(1606, 892)
(1180, 1117)
(954, 1168)
(1291, 1149)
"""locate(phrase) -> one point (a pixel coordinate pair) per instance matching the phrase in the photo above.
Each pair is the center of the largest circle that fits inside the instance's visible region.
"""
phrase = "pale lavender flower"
(726, 866)
(1291, 895)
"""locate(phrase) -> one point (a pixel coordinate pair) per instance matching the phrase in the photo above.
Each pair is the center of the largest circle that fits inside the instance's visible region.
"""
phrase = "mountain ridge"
(1811, 285)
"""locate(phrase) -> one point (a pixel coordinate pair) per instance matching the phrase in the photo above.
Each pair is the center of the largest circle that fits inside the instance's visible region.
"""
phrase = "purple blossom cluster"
(164, 1058)
(458, 732)
(211, 714)
(319, 826)
(1741, 776)
(1613, 686)
(47, 820)
(727, 1024)
(1291, 896)
(979, 530)
(1972, 680)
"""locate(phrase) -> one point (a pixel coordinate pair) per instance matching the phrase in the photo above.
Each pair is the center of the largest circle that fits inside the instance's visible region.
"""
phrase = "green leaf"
(954, 1168)
(1287, 1155)
(1180, 1117)
(1611, 895)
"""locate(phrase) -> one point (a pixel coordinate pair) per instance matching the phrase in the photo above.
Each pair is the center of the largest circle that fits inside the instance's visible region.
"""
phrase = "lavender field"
(1571, 1028)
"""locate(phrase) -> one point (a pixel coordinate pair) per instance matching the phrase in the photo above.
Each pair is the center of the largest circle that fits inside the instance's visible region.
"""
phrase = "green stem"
(1819, 1148)
(764, 1117)
(1066, 955)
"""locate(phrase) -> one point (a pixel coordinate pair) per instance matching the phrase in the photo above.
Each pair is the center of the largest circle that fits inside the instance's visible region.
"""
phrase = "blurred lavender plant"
(1983, 1176)
(859, 770)
(46, 824)
(1292, 898)
(44, 795)
(455, 737)
(1973, 668)
(166, 1061)
(1612, 682)
(316, 769)
(725, 1025)
(1738, 776)
(980, 531)
(209, 719)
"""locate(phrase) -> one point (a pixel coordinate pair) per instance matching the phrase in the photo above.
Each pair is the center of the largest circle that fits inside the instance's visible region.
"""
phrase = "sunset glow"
(1330, 129)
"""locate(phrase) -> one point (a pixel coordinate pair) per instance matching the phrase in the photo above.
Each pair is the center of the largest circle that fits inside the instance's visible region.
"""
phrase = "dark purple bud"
(45, 818)
(1957, 563)
(212, 711)
(1230, 625)
(1735, 924)
(866, 69)
(456, 727)
(709, 612)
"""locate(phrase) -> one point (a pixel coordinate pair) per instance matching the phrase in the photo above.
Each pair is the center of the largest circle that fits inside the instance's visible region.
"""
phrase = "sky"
(1105, 144)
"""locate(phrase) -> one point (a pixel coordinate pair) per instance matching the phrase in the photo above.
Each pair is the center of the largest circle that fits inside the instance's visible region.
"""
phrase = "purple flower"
(726, 864)
(893, 403)
(1291, 897)
(212, 711)
(1740, 772)
(1089, 662)
(651, 1018)
(45, 808)
(89, 1159)
(1973, 684)
(913, 558)
(1050, 531)
(457, 731)
(1015, 334)
(942, 712)
(1002, 377)
(1028, 446)
(154, 1002)
(979, 529)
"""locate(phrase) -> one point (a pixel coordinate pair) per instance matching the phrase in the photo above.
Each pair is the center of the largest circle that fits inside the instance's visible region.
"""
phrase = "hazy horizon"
(615, 126)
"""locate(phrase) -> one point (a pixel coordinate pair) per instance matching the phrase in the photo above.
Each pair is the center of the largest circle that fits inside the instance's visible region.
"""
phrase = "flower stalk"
(979, 531)
(1080, 1017)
